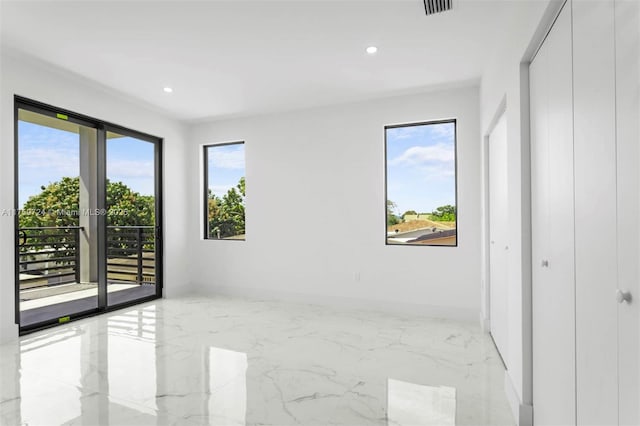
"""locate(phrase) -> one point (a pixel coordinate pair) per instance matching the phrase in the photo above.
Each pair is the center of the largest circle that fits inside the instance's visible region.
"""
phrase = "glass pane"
(421, 184)
(58, 272)
(225, 192)
(131, 219)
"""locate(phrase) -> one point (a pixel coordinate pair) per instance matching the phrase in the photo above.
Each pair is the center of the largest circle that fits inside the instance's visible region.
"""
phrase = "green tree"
(214, 206)
(127, 207)
(227, 214)
(57, 205)
(392, 219)
(445, 213)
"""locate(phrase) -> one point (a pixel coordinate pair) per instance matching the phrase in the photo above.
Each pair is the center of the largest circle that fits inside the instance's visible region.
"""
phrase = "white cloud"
(425, 155)
(443, 130)
(440, 132)
(64, 162)
(121, 170)
(438, 172)
(41, 166)
(407, 132)
(227, 159)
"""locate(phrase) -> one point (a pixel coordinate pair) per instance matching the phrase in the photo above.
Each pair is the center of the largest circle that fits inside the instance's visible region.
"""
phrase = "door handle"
(623, 296)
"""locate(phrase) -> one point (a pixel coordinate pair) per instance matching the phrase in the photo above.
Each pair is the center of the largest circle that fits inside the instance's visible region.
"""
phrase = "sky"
(421, 167)
(46, 155)
(420, 163)
(226, 167)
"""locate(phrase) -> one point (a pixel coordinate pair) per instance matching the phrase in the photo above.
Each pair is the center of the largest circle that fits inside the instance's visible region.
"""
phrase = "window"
(224, 195)
(421, 184)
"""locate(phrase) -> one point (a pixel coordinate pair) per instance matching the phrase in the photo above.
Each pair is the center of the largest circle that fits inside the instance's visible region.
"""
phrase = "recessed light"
(372, 50)
(168, 89)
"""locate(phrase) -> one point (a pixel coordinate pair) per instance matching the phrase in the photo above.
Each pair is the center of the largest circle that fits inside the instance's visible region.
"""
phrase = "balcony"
(58, 272)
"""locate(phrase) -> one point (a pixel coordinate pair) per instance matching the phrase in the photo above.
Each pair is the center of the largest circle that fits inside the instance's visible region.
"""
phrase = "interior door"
(627, 21)
(498, 225)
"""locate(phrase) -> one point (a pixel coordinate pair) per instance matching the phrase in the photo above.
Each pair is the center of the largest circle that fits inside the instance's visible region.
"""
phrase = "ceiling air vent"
(437, 6)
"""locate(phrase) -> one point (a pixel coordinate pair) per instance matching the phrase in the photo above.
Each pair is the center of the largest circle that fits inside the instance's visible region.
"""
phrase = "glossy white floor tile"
(226, 361)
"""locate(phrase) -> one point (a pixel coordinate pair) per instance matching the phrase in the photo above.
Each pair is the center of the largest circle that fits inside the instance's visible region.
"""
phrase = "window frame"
(102, 127)
(455, 163)
(205, 192)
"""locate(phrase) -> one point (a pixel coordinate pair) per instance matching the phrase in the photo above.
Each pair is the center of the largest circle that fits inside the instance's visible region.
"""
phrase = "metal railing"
(50, 256)
(131, 254)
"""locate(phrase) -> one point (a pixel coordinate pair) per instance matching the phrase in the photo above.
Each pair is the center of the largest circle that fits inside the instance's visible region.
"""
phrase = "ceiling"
(235, 58)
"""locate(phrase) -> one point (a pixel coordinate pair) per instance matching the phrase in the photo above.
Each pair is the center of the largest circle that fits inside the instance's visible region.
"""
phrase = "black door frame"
(102, 127)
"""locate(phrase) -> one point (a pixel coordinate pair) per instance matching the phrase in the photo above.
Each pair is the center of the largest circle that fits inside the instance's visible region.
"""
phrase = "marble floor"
(227, 361)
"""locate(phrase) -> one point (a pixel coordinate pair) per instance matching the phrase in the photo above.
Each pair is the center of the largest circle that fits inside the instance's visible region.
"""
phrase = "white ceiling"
(230, 58)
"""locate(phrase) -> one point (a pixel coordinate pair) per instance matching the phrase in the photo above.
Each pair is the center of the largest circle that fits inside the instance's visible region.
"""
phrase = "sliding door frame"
(102, 127)
(102, 197)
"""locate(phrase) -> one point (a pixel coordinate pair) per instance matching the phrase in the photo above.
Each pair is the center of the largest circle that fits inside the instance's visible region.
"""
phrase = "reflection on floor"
(85, 299)
(224, 361)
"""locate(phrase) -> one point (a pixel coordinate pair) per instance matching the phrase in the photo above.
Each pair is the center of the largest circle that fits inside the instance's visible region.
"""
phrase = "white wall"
(506, 79)
(316, 215)
(35, 80)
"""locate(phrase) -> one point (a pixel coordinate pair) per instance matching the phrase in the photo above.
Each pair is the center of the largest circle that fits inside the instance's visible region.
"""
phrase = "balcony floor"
(60, 301)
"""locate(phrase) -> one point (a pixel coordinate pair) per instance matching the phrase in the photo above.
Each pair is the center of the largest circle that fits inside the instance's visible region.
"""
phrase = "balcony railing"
(131, 254)
(50, 256)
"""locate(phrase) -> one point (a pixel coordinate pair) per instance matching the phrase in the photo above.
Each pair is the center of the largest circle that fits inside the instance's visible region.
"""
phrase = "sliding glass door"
(88, 214)
(56, 277)
(132, 231)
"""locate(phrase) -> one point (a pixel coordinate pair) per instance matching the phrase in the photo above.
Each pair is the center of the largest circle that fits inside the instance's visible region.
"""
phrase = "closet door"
(552, 227)
(628, 138)
(596, 205)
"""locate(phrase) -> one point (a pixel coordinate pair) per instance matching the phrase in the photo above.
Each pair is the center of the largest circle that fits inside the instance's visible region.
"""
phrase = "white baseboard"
(523, 413)
(459, 314)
